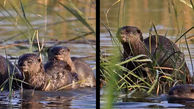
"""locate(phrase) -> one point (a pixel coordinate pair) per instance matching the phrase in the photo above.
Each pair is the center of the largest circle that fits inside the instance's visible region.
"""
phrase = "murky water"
(55, 26)
(142, 14)
(79, 98)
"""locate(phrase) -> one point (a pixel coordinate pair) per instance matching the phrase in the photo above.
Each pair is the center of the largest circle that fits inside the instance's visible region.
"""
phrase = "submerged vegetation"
(112, 70)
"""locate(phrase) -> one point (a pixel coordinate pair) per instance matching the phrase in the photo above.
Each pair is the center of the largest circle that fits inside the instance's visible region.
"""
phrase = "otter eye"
(62, 50)
(68, 49)
(30, 61)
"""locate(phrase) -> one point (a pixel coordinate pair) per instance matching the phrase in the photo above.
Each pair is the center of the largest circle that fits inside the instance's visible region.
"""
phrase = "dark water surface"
(142, 14)
(55, 26)
(80, 98)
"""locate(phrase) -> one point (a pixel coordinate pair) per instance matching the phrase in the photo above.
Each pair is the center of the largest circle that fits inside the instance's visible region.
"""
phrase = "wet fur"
(165, 52)
(182, 91)
(55, 76)
(84, 72)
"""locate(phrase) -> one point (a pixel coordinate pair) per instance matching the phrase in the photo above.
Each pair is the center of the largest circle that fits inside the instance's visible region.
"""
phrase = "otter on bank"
(159, 48)
(58, 75)
(185, 92)
(83, 70)
(6, 69)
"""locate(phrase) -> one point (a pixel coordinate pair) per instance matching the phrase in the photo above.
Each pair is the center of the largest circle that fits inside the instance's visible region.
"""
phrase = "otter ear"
(68, 49)
(39, 60)
(139, 31)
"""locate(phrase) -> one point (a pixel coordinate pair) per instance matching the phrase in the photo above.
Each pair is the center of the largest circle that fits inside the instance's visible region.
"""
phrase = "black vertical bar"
(97, 54)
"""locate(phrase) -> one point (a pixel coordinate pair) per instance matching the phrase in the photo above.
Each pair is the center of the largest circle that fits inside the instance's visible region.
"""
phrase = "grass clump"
(148, 75)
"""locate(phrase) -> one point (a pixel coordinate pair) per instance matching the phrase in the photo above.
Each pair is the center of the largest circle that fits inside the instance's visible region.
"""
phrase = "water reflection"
(51, 19)
(143, 13)
(81, 98)
(142, 101)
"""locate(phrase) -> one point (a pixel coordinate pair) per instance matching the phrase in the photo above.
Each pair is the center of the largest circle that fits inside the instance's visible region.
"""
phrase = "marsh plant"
(135, 78)
(147, 77)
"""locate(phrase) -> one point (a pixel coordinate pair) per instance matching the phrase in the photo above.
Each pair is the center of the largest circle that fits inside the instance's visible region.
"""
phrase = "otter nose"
(61, 52)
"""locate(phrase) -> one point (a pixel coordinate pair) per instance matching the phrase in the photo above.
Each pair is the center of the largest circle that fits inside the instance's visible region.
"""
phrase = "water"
(142, 14)
(80, 98)
(124, 101)
(55, 26)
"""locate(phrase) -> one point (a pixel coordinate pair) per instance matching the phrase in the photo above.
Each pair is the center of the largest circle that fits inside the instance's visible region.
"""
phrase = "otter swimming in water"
(83, 70)
(181, 93)
(157, 47)
(57, 76)
(7, 69)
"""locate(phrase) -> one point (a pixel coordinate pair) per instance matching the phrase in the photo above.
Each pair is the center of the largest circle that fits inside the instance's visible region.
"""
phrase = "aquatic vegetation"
(154, 72)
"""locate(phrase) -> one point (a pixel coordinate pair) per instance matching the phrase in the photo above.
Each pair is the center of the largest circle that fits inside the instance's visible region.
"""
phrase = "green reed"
(153, 70)
(19, 8)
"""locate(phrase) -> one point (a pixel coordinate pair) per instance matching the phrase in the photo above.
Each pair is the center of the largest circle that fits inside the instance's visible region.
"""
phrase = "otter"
(83, 70)
(181, 92)
(57, 70)
(158, 47)
(7, 69)
(57, 76)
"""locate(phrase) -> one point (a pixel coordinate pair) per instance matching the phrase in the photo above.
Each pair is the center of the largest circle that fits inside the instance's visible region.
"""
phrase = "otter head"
(182, 91)
(30, 64)
(128, 33)
(59, 53)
